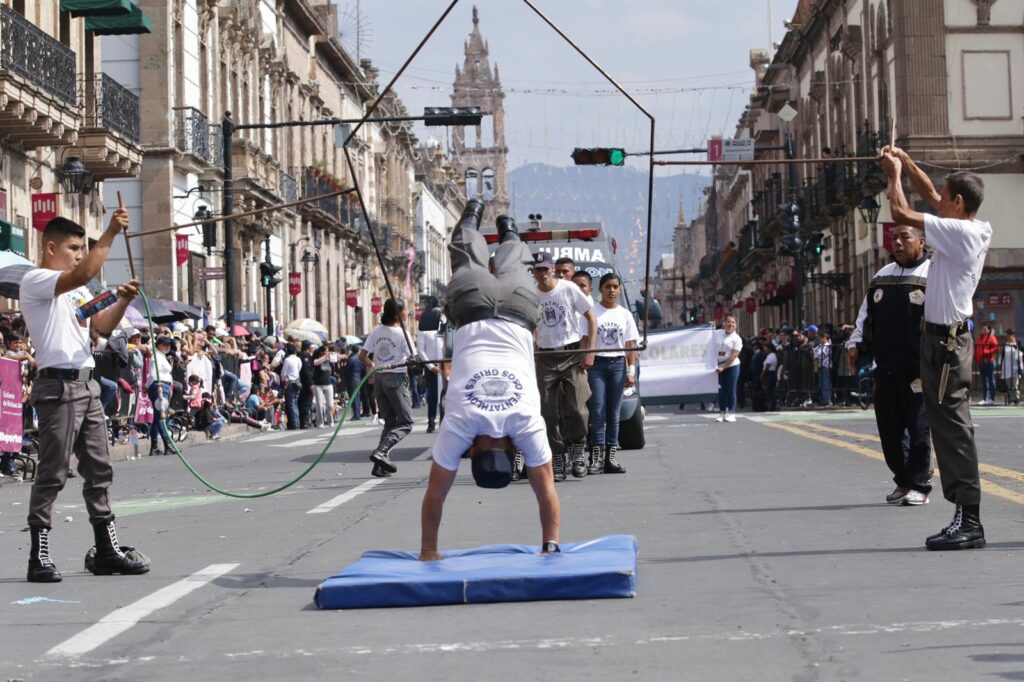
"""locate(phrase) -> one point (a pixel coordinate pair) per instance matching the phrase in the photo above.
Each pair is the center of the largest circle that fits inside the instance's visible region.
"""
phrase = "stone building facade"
(948, 72)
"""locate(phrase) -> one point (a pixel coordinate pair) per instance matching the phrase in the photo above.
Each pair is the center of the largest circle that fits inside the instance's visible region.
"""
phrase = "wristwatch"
(551, 547)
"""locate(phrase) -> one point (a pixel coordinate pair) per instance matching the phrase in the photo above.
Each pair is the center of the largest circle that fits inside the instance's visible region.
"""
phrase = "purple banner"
(11, 425)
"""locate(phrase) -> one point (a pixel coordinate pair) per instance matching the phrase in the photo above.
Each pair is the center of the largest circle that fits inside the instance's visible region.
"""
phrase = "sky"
(686, 61)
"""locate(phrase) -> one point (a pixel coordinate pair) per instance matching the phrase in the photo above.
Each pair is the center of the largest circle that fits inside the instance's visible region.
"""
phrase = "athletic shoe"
(914, 498)
(730, 417)
(720, 418)
(897, 495)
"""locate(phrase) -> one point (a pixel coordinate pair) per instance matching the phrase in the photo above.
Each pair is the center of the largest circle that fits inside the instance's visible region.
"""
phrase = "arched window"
(489, 189)
(472, 183)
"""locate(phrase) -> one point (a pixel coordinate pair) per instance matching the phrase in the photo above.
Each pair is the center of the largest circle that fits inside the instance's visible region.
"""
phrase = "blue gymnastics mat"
(598, 569)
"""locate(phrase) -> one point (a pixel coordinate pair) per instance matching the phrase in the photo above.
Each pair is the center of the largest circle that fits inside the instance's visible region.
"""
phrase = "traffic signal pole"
(798, 257)
(269, 293)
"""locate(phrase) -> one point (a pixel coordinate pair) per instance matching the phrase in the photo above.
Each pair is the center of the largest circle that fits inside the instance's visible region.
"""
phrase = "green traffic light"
(616, 157)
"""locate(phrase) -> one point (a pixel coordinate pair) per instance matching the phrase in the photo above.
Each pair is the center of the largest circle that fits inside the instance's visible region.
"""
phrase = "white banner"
(678, 362)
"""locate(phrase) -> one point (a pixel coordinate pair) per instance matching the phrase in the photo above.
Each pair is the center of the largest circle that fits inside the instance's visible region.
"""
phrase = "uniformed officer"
(66, 396)
(889, 327)
(960, 242)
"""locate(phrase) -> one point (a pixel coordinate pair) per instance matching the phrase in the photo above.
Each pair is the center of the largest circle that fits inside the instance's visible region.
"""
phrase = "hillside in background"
(614, 196)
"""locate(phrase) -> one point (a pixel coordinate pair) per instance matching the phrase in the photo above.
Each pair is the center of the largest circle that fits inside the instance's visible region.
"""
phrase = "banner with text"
(678, 362)
(11, 424)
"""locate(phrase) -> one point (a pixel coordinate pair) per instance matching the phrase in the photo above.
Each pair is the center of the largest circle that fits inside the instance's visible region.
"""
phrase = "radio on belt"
(101, 302)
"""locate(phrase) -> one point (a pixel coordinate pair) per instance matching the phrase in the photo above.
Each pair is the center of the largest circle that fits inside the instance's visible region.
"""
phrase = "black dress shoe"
(964, 532)
(382, 460)
(378, 472)
(430, 427)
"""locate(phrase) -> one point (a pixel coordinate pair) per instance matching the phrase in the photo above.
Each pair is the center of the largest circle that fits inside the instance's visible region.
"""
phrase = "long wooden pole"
(127, 242)
(765, 162)
(247, 214)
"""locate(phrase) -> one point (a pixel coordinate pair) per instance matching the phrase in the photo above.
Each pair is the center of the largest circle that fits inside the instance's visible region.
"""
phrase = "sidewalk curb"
(120, 453)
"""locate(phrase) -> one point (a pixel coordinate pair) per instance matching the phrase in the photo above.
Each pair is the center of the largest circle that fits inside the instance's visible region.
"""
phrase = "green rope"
(265, 493)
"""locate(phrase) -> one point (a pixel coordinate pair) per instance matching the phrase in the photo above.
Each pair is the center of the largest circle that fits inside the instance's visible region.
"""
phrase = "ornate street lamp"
(364, 281)
(869, 209)
(75, 178)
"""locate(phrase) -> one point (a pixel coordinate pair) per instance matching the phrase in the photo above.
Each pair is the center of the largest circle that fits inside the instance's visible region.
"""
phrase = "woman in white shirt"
(728, 345)
(613, 370)
(389, 345)
(158, 388)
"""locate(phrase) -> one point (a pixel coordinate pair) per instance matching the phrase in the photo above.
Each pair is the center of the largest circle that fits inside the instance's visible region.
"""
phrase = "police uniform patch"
(877, 296)
(917, 297)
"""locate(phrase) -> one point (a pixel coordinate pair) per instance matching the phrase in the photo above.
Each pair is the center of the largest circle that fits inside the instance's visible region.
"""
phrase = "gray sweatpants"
(473, 290)
(564, 392)
(70, 420)
(394, 405)
(950, 422)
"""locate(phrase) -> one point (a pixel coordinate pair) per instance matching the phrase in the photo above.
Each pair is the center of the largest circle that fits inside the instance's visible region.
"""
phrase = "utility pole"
(227, 208)
(798, 259)
(269, 293)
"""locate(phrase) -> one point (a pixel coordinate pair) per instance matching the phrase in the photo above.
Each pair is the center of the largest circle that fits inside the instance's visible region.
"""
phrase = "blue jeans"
(155, 391)
(232, 387)
(108, 391)
(606, 378)
(353, 399)
(291, 404)
(988, 381)
(215, 428)
(727, 379)
(826, 385)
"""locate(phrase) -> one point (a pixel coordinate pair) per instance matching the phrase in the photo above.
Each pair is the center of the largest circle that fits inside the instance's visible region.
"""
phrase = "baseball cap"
(811, 328)
(543, 260)
(492, 468)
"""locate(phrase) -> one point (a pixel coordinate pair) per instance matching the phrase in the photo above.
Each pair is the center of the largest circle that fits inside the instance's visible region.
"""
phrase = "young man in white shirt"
(959, 242)
(291, 368)
(562, 377)
(65, 395)
(492, 392)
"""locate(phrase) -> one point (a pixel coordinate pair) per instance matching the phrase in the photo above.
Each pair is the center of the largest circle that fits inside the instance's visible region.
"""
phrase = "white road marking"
(323, 437)
(423, 455)
(345, 496)
(121, 620)
(269, 436)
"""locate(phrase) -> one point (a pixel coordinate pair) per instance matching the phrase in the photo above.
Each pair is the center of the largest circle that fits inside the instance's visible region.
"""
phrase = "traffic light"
(209, 229)
(816, 243)
(691, 315)
(791, 219)
(268, 272)
(791, 245)
(599, 156)
(452, 116)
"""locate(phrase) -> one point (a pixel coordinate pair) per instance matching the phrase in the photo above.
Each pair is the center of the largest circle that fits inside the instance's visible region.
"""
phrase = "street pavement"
(766, 553)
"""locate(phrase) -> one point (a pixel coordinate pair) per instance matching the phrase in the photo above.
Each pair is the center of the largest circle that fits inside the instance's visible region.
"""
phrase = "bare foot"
(430, 556)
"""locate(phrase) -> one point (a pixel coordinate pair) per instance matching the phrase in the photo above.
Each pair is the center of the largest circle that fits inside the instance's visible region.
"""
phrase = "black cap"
(492, 468)
(164, 341)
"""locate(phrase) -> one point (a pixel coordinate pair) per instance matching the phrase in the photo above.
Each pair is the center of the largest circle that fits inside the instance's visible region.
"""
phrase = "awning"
(96, 8)
(12, 238)
(133, 23)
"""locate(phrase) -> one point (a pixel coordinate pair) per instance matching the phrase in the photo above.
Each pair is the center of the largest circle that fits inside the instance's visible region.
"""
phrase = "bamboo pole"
(127, 242)
(765, 162)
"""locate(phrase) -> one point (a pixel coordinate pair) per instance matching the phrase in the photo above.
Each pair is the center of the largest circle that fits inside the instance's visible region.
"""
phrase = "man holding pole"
(960, 243)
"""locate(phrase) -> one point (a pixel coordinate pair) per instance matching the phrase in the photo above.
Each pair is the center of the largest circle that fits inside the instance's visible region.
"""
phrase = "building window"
(489, 185)
(472, 183)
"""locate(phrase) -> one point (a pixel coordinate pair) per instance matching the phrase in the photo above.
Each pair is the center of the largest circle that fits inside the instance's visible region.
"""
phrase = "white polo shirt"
(492, 391)
(960, 247)
(561, 311)
(60, 339)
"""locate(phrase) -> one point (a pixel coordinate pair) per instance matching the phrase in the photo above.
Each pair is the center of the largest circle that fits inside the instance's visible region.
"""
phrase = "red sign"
(751, 305)
(737, 305)
(351, 299)
(769, 289)
(3, 204)
(887, 230)
(44, 209)
(181, 242)
(376, 305)
(294, 283)
(1001, 300)
(715, 149)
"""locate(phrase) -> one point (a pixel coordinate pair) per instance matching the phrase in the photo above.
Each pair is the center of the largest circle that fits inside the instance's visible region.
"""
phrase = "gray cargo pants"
(950, 422)
(564, 392)
(394, 405)
(70, 420)
(474, 292)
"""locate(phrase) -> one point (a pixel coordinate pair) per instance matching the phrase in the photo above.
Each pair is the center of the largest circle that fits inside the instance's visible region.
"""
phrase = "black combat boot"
(507, 230)
(963, 532)
(558, 464)
(110, 558)
(378, 471)
(471, 215)
(610, 465)
(41, 568)
(579, 462)
(596, 464)
(383, 460)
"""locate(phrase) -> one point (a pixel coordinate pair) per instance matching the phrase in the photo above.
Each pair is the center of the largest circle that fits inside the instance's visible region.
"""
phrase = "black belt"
(485, 314)
(946, 330)
(570, 346)
(66, 374)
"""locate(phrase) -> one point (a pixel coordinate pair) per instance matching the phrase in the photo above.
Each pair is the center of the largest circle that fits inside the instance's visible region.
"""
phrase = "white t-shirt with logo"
(615, 327)
(725, 345)
(61, 340)
(492, 391)
(960, 247)
(389, 346)
(561, 311)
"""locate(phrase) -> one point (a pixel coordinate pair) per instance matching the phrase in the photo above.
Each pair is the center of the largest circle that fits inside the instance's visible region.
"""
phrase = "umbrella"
(184, 310)
(161, 313)
(240, 331)
(244, 316)
(12, 268)
(302, 335)
(352, 340)
(307, 325)
(135, 318)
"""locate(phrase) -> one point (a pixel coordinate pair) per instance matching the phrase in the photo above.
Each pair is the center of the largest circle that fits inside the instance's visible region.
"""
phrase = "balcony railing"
(192, 133)
(36, 56)
(110, 105)
(289, 187)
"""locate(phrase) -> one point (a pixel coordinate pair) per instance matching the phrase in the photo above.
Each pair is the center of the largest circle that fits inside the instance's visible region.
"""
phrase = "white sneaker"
(264, 426)
(730, 417)
(720, 418)
(914, 498)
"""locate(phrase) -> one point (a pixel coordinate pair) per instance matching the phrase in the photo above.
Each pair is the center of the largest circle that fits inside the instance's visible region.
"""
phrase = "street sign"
(206, 274)
(715, 149)
(737, 150)
(787, 113)
(294, 283)
(376, 305)
(351, 298)
(44, 208)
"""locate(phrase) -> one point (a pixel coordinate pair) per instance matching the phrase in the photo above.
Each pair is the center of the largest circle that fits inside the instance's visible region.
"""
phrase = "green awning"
(12, 238)
(133, 23)
(96, 8)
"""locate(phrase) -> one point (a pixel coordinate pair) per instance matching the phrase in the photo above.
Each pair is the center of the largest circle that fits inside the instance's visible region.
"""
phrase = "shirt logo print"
(552, 314)
(494, 390)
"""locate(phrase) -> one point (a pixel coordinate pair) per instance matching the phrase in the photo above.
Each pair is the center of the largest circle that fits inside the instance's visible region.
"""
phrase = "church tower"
(479, 152)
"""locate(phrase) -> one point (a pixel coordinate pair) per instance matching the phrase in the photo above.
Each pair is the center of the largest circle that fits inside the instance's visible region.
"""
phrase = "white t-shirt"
(389, 346)
(60, 339)
(561, 310)
(960, 247)
(430, 346)
(291, 367)
(771, 362)
(492, 391)
(726, 344)
(615, 327)
(159, 368)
